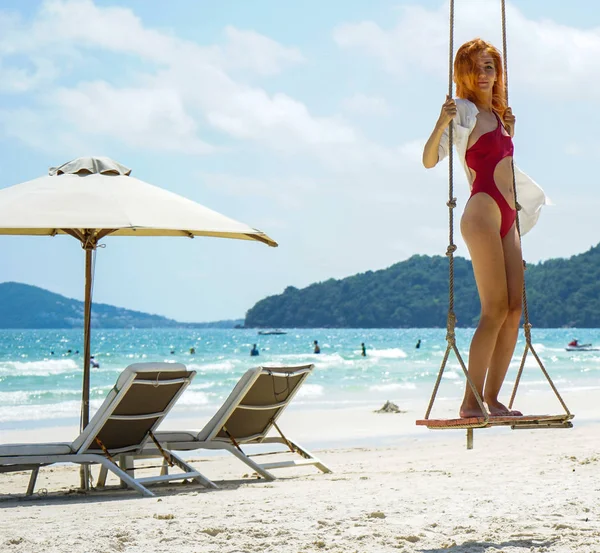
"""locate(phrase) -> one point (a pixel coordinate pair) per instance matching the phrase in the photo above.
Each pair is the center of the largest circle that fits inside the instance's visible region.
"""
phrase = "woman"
(483, 127)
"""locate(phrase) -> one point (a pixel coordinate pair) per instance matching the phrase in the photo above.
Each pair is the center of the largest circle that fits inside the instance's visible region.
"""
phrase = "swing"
(487, 421)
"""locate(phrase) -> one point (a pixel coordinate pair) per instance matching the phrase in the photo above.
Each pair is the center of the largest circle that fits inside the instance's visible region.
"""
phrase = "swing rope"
(451, 320)
(526, 324)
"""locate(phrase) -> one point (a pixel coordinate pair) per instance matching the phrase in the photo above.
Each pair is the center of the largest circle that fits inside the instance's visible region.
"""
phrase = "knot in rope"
(527, 330)
(450, 324)
(451, 203)
(450, 249)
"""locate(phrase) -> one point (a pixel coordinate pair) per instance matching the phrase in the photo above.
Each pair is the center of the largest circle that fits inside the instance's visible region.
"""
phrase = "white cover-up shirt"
(529, 194)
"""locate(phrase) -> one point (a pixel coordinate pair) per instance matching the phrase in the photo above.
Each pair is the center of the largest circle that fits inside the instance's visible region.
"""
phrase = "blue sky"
(305, 120)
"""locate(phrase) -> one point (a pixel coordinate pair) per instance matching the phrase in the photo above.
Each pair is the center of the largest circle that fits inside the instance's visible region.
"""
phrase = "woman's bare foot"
(467, 411)
(498, 409)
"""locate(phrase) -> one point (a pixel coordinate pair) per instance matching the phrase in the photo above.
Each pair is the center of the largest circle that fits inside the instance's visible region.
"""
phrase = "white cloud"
(543, 55)
(153, 119)
(118, 29)
(278, 120)
(20, 79)
(184, 84)
(80, 24)
(417, 39)
(362, 104)
(180, 95)
(45, 134)
(251, 50)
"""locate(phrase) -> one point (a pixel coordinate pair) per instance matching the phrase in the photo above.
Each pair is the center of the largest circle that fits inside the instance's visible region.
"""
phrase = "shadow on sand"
(116, 493)
(482, 546)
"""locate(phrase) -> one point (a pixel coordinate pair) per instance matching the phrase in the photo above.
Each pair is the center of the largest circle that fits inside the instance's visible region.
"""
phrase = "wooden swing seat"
(523, 422)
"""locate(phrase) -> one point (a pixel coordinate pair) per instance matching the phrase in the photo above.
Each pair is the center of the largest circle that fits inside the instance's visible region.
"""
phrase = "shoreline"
(345, 426)
(316, 395)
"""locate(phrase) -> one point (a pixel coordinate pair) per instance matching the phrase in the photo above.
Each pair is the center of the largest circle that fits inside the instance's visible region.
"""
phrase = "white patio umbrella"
(90, 198)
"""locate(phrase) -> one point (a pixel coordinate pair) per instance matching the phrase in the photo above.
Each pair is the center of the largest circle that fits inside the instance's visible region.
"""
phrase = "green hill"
(409, 294)
(25, 306)
(414, 294)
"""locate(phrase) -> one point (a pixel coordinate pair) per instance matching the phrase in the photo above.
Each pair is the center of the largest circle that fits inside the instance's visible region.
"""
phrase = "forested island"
(414, 294)
(26, 306)
(409, 294)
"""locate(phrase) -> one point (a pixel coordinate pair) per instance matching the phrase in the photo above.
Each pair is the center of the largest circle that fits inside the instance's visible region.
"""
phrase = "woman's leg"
(507, 337)
(480, 226)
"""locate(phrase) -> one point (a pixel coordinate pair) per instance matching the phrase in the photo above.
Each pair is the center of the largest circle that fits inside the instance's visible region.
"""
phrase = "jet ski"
(581, 347)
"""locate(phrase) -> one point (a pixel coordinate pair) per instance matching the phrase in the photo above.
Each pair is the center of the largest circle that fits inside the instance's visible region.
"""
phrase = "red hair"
(466, 74)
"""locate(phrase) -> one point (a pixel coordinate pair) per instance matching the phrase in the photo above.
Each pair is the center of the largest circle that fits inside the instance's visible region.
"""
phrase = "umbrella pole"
(89, 247)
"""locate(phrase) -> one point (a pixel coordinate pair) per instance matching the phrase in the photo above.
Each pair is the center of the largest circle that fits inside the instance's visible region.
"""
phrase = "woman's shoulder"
(467, 113)
(466, 106)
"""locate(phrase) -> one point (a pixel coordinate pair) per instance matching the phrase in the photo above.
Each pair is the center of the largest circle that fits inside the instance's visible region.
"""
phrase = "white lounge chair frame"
(231, 427)
(141, 398)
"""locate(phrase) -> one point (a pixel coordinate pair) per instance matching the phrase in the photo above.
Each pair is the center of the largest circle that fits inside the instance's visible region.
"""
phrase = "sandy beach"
(394, 487)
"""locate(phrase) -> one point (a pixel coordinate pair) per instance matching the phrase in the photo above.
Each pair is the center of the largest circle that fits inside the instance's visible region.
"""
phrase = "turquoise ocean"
(38, 388)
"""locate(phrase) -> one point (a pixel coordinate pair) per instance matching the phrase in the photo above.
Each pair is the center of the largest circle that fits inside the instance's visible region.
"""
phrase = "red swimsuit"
(482, 157)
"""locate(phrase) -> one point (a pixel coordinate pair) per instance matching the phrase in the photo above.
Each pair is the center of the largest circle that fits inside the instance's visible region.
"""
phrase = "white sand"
(395, 487)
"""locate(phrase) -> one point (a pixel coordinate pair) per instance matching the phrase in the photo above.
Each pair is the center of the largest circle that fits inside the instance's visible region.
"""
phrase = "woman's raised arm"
(430, 152)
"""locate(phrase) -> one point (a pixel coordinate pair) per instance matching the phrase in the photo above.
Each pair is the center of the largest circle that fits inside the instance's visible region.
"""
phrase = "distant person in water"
(363, 349)
(94, 363)
(574, 343)
(418, 344)
(254, 351)
(317, 348)
(192, 351)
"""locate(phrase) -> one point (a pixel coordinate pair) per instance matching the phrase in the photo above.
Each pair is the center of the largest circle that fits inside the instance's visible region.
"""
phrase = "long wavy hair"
(466, 74)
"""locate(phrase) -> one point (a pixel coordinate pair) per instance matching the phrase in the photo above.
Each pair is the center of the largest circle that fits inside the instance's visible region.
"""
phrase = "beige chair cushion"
(18, 450)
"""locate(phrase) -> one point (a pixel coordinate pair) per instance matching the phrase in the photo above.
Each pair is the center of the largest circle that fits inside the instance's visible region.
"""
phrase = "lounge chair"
(143, 395)
(247, 416)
